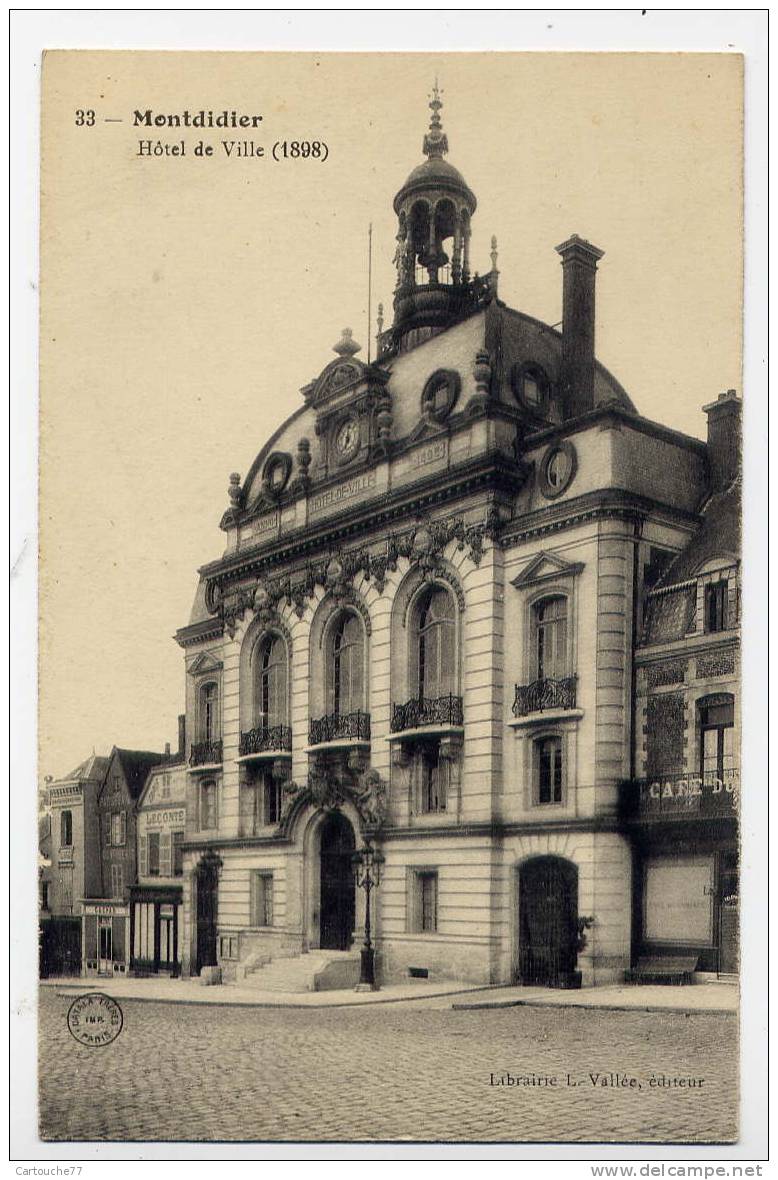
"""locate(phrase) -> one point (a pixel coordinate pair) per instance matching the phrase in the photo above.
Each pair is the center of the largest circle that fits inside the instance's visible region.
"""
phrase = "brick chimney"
(724, 427)
(579, 269)
(182, 735)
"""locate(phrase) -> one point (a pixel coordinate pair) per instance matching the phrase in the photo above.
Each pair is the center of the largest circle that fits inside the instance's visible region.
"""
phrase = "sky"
(186, 300)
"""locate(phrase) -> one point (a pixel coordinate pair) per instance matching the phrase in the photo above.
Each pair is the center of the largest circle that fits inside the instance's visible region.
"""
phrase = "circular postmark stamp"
(95, 1019)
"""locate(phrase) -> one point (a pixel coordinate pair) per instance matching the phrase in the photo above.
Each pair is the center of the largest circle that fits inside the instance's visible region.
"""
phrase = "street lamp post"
(367, 863)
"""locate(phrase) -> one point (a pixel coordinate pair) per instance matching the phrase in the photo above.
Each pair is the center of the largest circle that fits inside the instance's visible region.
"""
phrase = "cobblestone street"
(409, 1071)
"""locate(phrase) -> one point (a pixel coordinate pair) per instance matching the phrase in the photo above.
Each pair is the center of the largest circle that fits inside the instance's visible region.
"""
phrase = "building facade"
(156, 918)
(422, 633)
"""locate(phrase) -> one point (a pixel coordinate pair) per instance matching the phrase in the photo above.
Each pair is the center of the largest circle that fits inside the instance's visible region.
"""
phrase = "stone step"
(316, 970)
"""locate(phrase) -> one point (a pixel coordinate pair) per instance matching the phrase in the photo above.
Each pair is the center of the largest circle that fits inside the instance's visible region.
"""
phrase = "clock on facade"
(347, 440)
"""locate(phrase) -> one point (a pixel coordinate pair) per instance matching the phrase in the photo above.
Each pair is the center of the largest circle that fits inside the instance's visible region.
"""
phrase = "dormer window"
(716, 594)
(531, 387)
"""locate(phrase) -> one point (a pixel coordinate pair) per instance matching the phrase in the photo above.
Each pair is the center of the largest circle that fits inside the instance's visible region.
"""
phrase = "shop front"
(156, 930)
(105, 938)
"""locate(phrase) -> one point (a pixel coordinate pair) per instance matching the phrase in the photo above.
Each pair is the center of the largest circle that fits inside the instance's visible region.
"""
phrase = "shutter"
(143, 855)
(165, 866)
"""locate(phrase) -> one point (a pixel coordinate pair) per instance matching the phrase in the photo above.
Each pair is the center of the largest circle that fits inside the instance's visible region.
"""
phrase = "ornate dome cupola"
(434, 208)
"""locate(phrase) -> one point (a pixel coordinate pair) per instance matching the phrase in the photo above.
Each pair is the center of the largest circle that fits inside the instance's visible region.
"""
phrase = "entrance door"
(548, 910)
(105, 947)
(207, 902)
(166, 952)
(728, 914)
(337, 883)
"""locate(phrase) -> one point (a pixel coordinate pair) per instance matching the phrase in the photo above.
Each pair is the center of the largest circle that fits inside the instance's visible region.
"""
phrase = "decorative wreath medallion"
(440, 394)
(275, 473)
(557, 469)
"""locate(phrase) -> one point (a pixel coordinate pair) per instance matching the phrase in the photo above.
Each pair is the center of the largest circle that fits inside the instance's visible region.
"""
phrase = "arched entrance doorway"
(207, 889)
(548, 912)
(337, 896)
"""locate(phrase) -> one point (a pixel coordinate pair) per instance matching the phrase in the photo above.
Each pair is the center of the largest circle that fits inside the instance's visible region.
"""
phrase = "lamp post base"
(367, 981)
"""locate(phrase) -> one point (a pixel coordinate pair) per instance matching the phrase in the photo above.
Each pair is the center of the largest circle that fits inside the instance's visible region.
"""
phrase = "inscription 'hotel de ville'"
(477, 610)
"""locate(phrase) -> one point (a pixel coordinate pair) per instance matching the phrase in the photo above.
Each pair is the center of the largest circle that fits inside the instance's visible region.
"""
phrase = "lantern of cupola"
(434, 209)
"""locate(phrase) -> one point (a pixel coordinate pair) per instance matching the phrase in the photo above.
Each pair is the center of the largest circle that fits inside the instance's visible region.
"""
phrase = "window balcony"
(712, 795)
(433, 715)
(206, 753)
(340, 729)
(544, 696)
(265, 739)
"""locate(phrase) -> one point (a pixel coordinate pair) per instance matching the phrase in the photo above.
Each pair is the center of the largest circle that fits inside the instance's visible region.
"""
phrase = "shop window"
(270, 699)
(153, 854)
(117, 880)
(716, 594)
(549, 639)
(434, 645)
(66, 829)
(118, 828)
(717, 735)
(207, 805)
(423, 901)
(262, 899)
(228, 946)
(209, 712)
(548, 770)
(347, 666)
(178, 853)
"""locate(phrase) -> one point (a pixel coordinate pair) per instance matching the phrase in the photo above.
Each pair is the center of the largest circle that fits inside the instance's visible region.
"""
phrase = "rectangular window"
(428, 902)
(262, 903)
(44, 895)
(117, 880)
(228, 946)
(272, 800)
(250, 818)
(66, 889)
(178, 854)
(208, 806)
(432, 793)
(716, 594)
(153, 869)
(549, 770)
(118, 828)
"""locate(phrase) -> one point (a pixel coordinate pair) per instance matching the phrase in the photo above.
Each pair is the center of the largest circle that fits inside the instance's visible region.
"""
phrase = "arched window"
(209, 712)
(347, 674)
(270, 694)
(549, 639)
(66, 829)
(434, 645)
(717, 735)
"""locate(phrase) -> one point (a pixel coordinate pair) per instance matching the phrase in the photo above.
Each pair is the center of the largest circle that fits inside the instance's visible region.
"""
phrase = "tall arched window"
(434, 645)
(209, 712)
(347, 673)
(549, 640)
(66, 829)
(270, 694)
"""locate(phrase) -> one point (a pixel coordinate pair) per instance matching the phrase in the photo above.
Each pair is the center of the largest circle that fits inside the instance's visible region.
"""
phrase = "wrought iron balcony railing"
(421, 711)
(544, 694)
(264, 739)
(712, 795)
(205, 753)
(339, 727)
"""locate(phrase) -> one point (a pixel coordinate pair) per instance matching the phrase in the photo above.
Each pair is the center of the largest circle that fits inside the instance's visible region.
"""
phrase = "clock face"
(347, 439)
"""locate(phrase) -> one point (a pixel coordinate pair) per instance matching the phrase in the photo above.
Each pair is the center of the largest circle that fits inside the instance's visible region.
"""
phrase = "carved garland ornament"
(367, 791)
(422, 545)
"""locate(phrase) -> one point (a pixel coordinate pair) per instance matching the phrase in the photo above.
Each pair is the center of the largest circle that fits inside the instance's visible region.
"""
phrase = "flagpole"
(369, 289)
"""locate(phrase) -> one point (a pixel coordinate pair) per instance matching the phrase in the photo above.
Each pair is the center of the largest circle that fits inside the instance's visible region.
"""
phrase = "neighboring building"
(72, 844)
(683, 807)
(156, 927)
(422, 630)
(106, 912)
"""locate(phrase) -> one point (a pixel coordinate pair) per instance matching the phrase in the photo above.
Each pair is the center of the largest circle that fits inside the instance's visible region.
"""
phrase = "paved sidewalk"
(700, 997)
(695, 997)
(191, 991)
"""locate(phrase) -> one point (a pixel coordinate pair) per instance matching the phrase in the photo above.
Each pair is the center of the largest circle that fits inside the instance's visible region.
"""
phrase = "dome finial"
(435, 141)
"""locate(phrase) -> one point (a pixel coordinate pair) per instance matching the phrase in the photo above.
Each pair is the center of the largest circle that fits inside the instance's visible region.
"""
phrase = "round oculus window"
(440, 394)
(276, 472)
(557, 469)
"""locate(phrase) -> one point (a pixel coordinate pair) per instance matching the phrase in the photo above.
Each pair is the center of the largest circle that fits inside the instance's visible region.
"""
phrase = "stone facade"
(424, 621)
